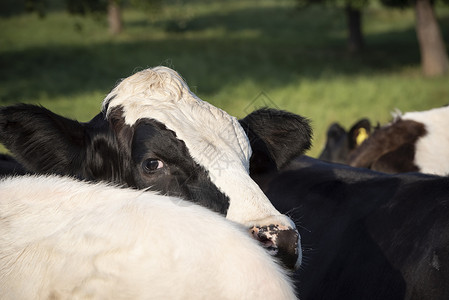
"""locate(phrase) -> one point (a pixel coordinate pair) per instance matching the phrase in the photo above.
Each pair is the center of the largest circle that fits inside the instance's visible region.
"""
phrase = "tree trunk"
(354, 21)
(434, 60)
(114, 17)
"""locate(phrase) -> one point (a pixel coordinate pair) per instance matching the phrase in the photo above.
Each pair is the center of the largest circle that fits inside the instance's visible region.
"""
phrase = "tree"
(434, 58)
(115, 17)
(356, 41)
(353, 12)
(112, 7)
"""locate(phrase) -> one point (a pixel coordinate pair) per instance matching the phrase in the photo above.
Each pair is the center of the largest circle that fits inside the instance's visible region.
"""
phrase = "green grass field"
(238, 55)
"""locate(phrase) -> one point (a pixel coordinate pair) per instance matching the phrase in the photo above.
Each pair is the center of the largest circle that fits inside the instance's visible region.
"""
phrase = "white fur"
(432, 150)
(65, 239)
(214, 139)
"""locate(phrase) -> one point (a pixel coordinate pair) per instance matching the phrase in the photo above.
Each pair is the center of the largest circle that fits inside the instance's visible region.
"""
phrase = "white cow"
(154, 133)
(65, 239)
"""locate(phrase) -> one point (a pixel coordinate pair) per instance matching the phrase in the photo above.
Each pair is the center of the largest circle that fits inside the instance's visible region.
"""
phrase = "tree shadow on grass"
(280, 51)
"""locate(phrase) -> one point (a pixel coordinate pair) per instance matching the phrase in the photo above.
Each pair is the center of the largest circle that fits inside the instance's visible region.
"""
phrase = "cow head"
(154, 133)
(340, 143)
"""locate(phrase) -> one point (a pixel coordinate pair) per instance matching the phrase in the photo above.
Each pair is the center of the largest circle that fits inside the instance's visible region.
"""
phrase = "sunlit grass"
(233, 54)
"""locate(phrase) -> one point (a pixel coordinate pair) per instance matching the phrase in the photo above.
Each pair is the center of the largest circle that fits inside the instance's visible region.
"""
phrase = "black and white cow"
(61, 238)
(341, 143)
(365, 234)
(415, 141)
(154, 133)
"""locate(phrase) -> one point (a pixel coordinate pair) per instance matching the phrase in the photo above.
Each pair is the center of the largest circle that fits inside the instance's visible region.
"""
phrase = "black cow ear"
(276, 136)
(41, 140)
(358, 133)
(336, 147)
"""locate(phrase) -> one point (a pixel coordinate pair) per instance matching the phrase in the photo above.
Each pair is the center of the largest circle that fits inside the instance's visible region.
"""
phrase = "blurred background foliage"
(237, 54)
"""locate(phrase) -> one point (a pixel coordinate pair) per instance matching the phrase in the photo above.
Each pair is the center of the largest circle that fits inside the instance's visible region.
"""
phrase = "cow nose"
(281, 241)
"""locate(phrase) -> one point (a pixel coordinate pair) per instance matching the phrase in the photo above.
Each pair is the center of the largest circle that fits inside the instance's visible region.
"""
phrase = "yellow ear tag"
(362, 135)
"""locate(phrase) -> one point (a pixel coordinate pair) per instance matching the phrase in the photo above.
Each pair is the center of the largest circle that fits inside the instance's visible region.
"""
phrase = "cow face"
(154, 133)
(340, 143)
(161, 162)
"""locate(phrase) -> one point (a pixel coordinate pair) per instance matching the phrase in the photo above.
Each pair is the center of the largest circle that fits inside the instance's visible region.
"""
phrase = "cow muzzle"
(282, 242)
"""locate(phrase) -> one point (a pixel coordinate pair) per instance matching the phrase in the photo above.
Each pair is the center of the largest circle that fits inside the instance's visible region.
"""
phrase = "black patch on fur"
(107, 150)
(276, 137)
(181, 176)
(41, 140)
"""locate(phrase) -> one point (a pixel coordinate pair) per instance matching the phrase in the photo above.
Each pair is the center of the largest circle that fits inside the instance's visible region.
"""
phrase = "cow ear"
(42, 141)
(276, 137)
(336, 147)
(358, 133)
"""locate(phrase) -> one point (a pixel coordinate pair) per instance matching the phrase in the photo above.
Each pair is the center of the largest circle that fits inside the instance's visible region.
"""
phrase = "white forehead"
(212, 136)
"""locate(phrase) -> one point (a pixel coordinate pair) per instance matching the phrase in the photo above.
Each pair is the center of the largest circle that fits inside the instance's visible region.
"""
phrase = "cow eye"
(152, 164)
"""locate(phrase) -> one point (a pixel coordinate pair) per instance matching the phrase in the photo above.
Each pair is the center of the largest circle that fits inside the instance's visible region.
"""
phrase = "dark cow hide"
(365, 235)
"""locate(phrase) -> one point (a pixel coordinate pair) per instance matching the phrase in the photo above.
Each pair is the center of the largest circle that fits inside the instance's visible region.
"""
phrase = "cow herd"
(412, 142)
(164, 196)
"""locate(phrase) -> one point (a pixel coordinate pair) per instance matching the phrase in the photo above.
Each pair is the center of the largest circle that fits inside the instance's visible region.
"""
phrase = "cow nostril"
(280, 242)
(262, 238)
